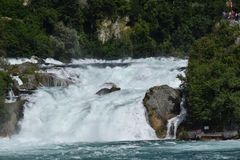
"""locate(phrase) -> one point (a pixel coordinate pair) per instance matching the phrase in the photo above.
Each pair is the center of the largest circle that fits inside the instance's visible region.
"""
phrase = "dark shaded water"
(168, 150)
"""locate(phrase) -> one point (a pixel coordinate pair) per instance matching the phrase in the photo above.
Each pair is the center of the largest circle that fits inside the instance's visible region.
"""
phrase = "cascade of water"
(19, 81)
(10, 97)
(174, 122)
(76, 113)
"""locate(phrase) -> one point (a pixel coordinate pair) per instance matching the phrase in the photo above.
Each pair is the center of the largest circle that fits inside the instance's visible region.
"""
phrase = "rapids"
(77, 114)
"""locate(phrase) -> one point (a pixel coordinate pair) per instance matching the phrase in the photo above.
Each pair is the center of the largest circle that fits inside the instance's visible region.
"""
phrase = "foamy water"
(77, 114)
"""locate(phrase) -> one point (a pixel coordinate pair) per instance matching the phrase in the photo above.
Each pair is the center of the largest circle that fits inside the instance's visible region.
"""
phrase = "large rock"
(33, 81)
(161, 103)
(51, 80)
(11, 113)
(32, 78)
(24, 68)
(110, 87)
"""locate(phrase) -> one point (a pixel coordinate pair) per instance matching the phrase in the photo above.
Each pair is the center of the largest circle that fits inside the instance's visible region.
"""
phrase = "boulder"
(11, 113)
(37, 60)
(29, 82)
(51, 80)
(161, 103)
(24, 68)
(111, 88)
(33, 81)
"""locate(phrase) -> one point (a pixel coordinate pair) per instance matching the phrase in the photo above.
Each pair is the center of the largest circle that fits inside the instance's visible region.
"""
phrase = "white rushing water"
(174, 122)
(19, 81)
(14, 61)
(77, 114)
(10, 97)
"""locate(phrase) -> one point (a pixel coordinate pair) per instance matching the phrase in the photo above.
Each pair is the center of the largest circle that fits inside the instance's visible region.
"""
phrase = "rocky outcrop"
(31, 78)
(24, 68)
(109, 29)
(161, 103)
(51, 80)
(200, 135)
(11, 114)
(33, 81)
(108, 90)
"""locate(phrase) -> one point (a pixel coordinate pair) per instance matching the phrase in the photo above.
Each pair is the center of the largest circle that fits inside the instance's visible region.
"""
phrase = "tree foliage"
(158, 27)
(213, 79)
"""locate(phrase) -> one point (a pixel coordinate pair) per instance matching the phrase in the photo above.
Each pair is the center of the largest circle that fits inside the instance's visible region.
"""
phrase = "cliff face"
(109, 29)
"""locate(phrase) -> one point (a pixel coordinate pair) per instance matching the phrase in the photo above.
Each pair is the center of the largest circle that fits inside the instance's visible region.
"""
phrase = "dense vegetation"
(66, 29)
(213, 79)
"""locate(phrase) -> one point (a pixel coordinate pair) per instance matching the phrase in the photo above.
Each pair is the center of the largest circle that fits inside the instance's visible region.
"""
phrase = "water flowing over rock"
(77, 114)
(33, 81)
(24, 68)
(174, 122)
(28, 76)
(10, 97)
(162, 103)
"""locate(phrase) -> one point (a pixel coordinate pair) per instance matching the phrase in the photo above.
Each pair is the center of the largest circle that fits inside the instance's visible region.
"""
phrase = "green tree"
(213, 80)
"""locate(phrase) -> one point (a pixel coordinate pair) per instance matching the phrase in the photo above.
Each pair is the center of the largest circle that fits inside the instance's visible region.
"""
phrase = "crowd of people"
(233, 14)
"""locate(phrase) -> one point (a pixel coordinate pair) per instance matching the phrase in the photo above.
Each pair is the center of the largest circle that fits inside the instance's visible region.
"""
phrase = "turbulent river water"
(75, 123)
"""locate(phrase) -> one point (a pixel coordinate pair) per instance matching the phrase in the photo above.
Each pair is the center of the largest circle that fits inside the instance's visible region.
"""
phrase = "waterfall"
(174, 122)
(76, 114)
(10, 98)
(19, 81)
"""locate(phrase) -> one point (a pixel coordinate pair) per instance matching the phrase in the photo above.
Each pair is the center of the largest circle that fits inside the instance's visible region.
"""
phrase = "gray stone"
(51, 80)
(33, 81)
(13, 113)
(111, 88)
(161, 103)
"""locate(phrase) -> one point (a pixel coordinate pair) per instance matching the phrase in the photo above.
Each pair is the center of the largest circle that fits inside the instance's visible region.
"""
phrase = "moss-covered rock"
(25, 68)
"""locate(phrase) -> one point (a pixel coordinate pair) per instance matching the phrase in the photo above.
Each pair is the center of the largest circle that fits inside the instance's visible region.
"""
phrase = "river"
(75, 123)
